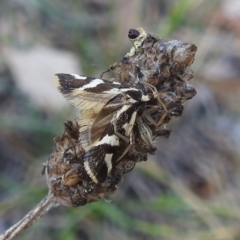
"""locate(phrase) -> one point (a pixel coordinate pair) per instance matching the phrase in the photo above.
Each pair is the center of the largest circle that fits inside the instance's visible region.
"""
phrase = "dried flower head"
(160, 70)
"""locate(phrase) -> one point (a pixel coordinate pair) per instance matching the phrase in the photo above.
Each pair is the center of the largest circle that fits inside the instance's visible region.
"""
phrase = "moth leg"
(129, 132)
(110, 68)
(164, 113)
(147, 115)
(160, 103)
(132, 141)
(127, 127)
(130, 125)
(118, 134)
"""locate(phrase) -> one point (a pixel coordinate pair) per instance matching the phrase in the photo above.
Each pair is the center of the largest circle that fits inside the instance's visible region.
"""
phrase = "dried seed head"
(159, 68)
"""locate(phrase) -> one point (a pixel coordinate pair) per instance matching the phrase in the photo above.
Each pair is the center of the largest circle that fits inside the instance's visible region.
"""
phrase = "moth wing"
(87, 95)
(105, 116)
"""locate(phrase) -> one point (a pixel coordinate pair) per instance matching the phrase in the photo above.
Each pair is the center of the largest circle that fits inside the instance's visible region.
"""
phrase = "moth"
(115, 118)
(109, 112)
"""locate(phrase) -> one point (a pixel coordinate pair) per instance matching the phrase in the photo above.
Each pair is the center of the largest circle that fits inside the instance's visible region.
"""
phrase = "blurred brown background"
(191, 188)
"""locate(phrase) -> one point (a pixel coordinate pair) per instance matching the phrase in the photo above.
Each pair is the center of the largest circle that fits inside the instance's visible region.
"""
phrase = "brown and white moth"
(108, 113)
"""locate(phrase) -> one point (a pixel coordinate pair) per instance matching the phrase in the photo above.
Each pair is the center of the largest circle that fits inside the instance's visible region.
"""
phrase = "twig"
(43, 207)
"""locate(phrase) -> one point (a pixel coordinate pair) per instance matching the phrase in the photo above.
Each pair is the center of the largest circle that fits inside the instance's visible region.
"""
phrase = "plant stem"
(43, 207)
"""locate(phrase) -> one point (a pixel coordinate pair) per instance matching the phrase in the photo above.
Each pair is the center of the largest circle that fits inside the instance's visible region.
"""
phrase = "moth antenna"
(110, 68)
